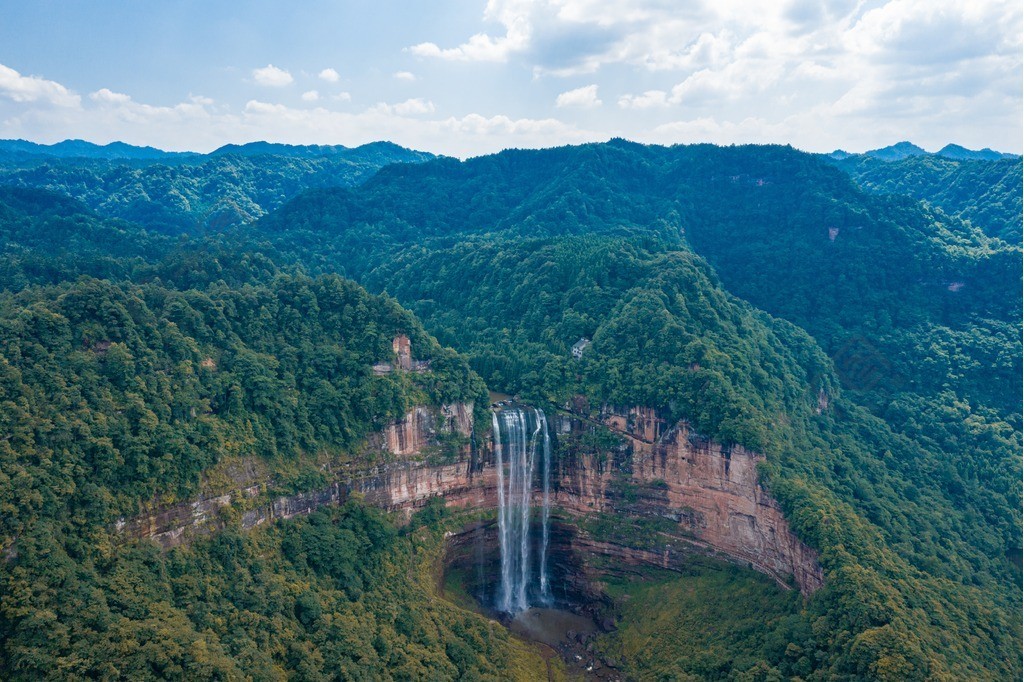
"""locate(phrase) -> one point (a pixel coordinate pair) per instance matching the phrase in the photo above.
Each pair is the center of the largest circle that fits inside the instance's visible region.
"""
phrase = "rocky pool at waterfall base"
(570, 634)
(615, 619)
(565, 630)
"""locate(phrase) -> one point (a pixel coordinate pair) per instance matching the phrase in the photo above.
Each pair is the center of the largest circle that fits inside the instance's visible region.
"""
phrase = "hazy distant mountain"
(906, 150)
(896, 152)
(188, 192)
(80, 149)
(955, 151)
(981, 187)
(388, 152)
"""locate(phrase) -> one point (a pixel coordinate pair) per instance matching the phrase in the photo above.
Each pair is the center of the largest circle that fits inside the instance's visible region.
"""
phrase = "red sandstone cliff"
(710, 493)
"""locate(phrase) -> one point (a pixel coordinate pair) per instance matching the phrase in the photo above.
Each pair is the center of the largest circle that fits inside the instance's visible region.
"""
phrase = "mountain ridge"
(905, 149)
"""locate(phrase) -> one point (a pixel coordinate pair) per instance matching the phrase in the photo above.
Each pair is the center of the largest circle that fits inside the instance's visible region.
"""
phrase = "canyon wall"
(671, 491)
(698, 494)
(407, 468)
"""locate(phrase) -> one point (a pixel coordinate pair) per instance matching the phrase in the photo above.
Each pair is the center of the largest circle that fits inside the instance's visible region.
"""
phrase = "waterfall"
(545, 588)
(517, 435)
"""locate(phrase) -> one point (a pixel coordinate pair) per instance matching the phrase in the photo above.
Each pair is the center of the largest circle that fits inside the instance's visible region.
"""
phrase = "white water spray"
(517, 435)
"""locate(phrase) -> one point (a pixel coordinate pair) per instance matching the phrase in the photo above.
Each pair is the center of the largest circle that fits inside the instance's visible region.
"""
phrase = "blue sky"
(471, 77)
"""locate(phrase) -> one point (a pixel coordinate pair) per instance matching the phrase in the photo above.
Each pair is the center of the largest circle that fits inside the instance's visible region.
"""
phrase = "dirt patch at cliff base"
(550, 626)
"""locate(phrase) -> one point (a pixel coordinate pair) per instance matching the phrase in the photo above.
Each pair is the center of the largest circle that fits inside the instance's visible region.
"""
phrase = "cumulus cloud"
(647, 100)
(405, 76)
(410, 107)
(106, 96)
(272, 76)
(310, 96)
(930, 66)
(414, 106)
(585, 97)
(481, 47)
(329, 75)
(19, 88)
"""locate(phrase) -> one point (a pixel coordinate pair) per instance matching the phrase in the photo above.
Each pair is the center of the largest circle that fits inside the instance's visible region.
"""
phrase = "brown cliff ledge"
(681, 492)
(708, 491)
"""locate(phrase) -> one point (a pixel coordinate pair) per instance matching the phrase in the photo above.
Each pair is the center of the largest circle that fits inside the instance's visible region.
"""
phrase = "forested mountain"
(175, 193)
(114, 394)
(513, 257)
(983, 191)
(905, 150)
(23, 150)
(866, 344)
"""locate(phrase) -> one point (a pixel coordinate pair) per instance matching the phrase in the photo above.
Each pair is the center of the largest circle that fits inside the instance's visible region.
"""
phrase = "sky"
(471, 77)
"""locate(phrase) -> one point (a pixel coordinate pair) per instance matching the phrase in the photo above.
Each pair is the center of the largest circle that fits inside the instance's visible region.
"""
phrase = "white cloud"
(404, 75)
(27, 89)
(414, 106)
(342, 97)
(585, 97)
(467, 135)
(410, 107)
(106, 96)
(329, 75)
(272, 76)
(254, 106)
(937, 67)
(513, 14)
(310, 96)
(647, 100)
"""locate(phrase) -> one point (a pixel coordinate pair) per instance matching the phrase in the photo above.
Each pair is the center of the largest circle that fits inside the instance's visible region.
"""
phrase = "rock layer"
(707, 491)
(672, 491)
(403, 479)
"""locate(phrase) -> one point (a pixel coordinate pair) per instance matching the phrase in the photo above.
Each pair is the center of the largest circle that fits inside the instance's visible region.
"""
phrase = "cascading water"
(517, 435)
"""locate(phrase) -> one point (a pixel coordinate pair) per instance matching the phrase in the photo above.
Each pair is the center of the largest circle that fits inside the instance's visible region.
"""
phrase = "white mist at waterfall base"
(520, 436)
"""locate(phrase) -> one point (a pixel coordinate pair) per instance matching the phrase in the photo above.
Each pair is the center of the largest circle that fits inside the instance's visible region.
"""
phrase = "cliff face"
(707, 493)
(404, 479)
(675, 492)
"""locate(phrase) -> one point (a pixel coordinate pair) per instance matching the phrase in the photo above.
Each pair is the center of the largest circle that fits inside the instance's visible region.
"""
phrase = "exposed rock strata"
(403, 480)
(698, 495)
(708, 491)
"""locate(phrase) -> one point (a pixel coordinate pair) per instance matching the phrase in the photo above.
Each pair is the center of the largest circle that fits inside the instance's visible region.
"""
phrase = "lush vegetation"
(869, 346)
(200, 193)
(984, 193)
(340, 595)
(715, 621)
(907, 481)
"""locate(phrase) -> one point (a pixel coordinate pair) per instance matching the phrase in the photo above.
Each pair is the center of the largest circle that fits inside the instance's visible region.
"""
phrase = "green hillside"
(197, 193)
(513, 257)
(869, 346)
(985, 193)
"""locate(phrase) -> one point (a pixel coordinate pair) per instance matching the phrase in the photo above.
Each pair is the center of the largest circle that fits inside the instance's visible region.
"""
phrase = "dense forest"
(530, 250)
(175, 193)
(868, 344)
(985, 193)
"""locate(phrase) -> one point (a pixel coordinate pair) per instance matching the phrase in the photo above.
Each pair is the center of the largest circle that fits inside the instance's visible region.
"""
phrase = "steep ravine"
(660, 493)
